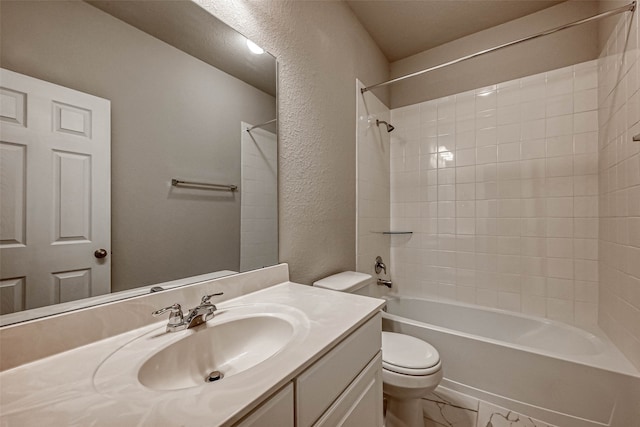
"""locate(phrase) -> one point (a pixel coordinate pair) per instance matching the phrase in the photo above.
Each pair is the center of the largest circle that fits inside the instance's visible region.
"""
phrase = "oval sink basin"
(241, 342)
(229, 348)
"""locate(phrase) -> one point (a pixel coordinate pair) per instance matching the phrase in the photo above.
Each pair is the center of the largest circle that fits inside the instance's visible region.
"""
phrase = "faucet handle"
(175, 310)
(379, 265)
(206, 298)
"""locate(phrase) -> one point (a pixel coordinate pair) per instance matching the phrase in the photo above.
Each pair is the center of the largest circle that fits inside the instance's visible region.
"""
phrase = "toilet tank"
(347, 281)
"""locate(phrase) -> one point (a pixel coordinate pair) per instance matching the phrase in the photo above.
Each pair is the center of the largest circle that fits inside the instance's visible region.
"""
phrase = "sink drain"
(214, 376)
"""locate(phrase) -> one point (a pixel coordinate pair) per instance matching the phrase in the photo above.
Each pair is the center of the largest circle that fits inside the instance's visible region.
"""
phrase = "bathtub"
(548, 370)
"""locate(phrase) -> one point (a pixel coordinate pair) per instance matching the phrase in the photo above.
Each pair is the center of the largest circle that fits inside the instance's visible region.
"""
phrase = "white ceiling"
(402, 28)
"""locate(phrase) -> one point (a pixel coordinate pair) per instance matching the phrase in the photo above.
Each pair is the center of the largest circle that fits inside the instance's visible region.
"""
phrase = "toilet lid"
(408, 355)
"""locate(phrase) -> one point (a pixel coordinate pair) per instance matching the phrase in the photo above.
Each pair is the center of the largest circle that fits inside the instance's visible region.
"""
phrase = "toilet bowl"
(411, 367)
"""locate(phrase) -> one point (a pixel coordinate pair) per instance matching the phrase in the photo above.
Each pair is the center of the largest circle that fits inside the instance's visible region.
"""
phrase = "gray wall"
(321, 49)
(561, 49)
(172, 116)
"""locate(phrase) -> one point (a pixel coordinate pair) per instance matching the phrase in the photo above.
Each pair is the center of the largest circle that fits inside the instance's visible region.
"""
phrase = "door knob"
(100, 253)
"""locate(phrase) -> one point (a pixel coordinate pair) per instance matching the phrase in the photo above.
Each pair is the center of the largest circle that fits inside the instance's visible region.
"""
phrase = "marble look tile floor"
(447, 408)
(495, 416)
(444, 407)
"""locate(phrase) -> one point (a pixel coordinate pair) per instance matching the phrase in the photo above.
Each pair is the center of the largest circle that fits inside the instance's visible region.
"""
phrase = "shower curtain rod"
(260, 125)
(628, 8)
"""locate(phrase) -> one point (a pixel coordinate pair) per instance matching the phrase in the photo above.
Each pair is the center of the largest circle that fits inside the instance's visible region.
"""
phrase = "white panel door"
(55, 225)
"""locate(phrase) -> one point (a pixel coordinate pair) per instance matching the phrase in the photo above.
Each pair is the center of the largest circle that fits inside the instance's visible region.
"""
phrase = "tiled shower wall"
(619, 162)
(500, 189)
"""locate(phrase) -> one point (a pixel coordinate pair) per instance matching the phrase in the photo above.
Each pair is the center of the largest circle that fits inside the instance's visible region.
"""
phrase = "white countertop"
(60, 389)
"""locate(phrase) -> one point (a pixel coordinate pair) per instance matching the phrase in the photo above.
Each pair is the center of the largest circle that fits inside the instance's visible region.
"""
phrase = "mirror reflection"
(135, 151)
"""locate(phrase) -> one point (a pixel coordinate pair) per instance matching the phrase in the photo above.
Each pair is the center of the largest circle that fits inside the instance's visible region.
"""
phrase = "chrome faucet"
(379, 266)
(202, 313)
(196, 316)
(176, 318)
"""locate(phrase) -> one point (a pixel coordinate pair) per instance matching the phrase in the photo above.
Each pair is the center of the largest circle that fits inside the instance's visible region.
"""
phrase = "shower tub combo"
(545, 369)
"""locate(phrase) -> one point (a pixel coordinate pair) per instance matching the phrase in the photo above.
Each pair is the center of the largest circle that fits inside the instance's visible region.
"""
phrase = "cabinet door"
(320, 385)
(361, 403)
(277, 411)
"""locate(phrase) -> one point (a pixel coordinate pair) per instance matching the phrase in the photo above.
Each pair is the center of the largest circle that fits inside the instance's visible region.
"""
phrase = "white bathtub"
(538, 367)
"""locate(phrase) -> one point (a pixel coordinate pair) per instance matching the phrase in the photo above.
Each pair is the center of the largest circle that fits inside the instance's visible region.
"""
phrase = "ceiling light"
(254, 47)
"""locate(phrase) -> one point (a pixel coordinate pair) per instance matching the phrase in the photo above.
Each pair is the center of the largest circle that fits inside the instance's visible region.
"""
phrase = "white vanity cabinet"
(327, 374)
(277, 411)
(323, 389)
(343, 388)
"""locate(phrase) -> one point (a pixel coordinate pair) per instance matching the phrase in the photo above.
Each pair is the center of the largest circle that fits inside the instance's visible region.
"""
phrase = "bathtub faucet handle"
(379, 265)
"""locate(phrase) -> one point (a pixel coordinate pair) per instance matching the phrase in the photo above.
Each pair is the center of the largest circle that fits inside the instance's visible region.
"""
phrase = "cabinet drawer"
(361, 403)
(320, 385)
(277, 411)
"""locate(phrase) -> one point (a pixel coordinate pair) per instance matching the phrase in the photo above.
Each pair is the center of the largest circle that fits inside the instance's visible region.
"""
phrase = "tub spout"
(383, 282)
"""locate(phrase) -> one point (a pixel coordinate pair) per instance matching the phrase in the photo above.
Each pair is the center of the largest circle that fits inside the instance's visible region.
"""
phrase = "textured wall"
(619, 183)
(321, 50)
(547, 53)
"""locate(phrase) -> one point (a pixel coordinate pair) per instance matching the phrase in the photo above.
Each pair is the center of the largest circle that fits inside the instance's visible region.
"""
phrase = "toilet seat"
(408, 355)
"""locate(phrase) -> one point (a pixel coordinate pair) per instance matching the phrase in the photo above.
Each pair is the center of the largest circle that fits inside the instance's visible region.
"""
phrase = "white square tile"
(560, 146)
(559, 186)
(466, 209)
(560, 288)
(532, 110)
(486, 136)
(560, 268)
(488, 154)
(533, 149)
(561, 125)
(509, 301)
(560, 206)
(486, 173)
(560, 166)
(466, 157)
(466, 191)
(533, 130)
(509, 152)
(560, 309)
(465, 226)
(586, 100)
(465, 174)
(585, 121)
(534, 305)
(559, 105)
(559, 247)
(465, 139)
(533, 227)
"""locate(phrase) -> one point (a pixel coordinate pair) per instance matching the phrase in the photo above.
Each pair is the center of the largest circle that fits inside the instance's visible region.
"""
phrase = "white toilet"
(411, 368)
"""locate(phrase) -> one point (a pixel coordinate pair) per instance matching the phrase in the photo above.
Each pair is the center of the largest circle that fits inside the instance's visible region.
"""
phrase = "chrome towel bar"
(637, 138)
(203, 185)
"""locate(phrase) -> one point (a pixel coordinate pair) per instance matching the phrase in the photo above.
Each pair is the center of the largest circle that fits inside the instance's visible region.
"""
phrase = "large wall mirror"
(138, 148)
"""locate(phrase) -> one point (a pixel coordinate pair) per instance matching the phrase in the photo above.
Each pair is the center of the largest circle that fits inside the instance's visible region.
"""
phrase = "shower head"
(389, 126)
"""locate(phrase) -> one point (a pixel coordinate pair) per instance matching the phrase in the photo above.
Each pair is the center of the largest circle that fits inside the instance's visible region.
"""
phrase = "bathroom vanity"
(289, 354)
